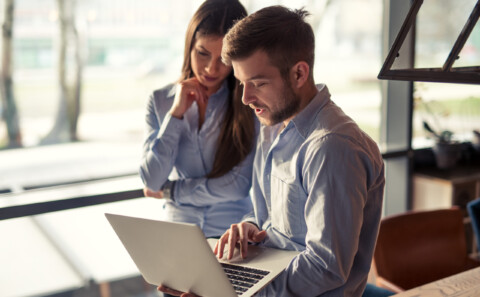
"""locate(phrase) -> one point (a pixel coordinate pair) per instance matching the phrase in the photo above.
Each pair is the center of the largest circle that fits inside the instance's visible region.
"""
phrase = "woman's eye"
(203, 54)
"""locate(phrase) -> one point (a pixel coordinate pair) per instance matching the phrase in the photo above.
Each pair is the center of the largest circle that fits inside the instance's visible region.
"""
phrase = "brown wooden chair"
(419, 247)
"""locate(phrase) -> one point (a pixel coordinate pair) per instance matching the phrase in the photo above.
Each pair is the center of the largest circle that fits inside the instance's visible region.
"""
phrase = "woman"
(200, 137)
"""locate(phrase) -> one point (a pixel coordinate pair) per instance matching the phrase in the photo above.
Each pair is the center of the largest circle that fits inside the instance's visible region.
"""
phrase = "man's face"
(265, 90)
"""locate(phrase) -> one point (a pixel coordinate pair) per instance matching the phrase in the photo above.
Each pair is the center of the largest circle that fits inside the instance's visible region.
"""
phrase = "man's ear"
(299, 74)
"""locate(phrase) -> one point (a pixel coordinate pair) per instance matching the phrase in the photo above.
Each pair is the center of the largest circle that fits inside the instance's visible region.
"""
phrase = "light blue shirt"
(318, 188)
(176, 148)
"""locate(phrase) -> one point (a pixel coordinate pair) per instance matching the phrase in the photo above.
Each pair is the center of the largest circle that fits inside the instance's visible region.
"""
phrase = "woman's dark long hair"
(237, 134)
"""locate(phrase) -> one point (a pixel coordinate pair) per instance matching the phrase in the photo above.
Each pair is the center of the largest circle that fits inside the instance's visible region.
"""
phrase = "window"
(454, 107)
(128, 48)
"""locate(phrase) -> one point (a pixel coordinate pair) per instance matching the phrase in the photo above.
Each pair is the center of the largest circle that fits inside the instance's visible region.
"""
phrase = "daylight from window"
(445, 107)
(125, 49)
(87, 83)
(76, 79)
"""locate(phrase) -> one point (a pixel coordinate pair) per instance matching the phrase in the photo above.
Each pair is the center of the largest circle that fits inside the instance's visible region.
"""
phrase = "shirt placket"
(268, 172)
(196, 138)
(206, 126)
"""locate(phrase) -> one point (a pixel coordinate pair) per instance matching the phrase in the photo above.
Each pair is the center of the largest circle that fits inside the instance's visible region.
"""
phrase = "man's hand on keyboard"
(175, 292)
(241, 233)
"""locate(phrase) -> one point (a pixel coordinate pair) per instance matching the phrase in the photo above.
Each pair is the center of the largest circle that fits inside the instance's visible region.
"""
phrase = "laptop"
(178, 255)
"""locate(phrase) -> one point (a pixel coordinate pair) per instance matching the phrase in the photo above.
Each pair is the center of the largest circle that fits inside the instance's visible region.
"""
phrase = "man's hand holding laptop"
(173, 292)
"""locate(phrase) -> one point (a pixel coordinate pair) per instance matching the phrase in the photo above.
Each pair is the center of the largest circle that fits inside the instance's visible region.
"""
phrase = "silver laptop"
(178, 255)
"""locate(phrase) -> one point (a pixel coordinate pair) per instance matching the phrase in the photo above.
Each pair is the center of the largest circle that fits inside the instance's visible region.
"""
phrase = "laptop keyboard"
(243, 278)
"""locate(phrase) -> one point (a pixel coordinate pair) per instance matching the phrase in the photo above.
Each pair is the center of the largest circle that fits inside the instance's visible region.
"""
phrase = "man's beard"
(290, 108)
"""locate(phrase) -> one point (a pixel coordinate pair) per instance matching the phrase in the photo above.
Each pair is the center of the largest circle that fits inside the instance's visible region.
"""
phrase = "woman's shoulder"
(166, 92)
(161, 99)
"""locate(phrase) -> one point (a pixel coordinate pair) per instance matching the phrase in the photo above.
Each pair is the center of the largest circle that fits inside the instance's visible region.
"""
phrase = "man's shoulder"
(341, 136)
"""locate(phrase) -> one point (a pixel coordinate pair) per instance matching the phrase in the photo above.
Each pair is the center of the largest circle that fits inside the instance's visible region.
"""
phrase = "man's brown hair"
(282, 33)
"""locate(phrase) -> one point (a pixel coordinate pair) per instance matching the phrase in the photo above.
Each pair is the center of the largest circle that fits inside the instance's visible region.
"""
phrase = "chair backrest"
(473, 208)
(419, 247)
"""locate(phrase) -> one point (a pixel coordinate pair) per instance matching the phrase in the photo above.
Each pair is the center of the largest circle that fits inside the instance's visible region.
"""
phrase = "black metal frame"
(17, 211)
(446, 74)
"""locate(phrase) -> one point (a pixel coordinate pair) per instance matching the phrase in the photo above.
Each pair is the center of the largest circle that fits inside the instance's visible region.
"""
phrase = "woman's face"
(207, 62)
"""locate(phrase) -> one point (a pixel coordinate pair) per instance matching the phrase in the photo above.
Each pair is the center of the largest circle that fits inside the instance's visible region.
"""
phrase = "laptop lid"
(178, 255)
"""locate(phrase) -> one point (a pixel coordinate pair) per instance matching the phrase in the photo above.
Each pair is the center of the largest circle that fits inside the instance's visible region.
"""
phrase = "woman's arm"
(161, 144)
(232, 186)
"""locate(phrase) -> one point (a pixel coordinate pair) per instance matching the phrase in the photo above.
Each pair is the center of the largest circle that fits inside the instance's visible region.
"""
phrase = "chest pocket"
(288, 202)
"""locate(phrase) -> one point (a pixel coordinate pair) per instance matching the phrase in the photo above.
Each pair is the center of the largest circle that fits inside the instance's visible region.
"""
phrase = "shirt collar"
(303, 120)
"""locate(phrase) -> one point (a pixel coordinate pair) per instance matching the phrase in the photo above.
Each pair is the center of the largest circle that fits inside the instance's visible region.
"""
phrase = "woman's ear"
(300, 73)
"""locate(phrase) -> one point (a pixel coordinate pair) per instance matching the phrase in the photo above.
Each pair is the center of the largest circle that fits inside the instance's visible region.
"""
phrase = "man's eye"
(258, 85)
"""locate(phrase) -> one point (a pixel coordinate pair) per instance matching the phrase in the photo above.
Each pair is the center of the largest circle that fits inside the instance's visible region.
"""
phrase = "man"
(318, 180)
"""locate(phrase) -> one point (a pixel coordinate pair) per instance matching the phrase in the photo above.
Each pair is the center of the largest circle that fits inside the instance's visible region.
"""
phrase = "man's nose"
(247, 97)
